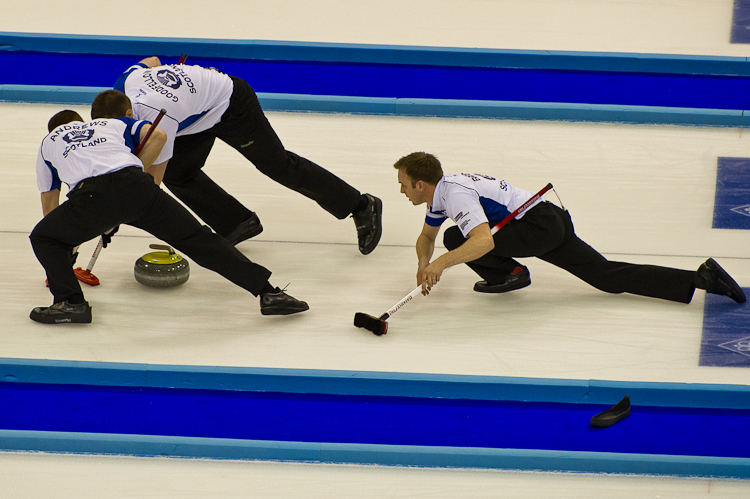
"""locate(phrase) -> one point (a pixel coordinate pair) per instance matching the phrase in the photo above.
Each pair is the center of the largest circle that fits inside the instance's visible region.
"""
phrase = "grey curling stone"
(161, 269)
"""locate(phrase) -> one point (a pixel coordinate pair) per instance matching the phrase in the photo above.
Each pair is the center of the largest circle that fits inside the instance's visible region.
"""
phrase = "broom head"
(373, 324)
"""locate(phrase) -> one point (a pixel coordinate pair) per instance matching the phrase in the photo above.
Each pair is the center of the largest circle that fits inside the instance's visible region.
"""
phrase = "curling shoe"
(62, 313)
(718, 282)
(519, 278)
(369, 224)
(247, 229)
(280, 303)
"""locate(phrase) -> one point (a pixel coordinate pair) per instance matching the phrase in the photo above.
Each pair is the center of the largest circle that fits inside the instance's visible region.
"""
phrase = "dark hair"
(62, 118)
(420, 166)
(110, 104)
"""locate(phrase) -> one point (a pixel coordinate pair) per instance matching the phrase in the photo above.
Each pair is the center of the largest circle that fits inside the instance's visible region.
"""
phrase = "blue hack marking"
(726, 326)
(726, 332)
(732, 202)
(741, 22)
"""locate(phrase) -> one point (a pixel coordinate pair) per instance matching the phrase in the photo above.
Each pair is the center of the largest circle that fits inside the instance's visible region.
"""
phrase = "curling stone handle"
(162, 247)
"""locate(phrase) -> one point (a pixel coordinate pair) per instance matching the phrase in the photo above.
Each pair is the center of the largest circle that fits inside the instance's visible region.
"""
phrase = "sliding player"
(478, 202)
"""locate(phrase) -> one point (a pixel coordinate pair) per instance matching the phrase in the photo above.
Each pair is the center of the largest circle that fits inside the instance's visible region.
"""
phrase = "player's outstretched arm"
(50, 201)
(478, 244)
(151, 62)
(153, 146)
(157, 171)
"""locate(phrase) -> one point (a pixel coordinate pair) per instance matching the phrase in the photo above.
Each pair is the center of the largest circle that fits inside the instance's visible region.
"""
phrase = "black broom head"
(377, 326)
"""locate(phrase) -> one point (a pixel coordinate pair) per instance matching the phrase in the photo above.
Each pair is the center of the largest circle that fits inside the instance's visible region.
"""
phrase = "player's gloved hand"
(107, 236)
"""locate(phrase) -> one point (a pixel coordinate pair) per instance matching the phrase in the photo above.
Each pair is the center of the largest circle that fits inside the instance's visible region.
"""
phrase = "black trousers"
(546, 232)
(130, 197)
(244, 127)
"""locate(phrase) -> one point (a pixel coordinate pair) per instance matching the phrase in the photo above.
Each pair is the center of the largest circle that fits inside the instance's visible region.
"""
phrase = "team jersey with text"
(471, 199)
(76, 151)
(194, 97)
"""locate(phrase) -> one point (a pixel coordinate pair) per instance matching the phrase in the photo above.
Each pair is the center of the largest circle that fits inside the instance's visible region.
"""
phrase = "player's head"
(62, 118)
(110, 104)
(418, 174)
(420, 166)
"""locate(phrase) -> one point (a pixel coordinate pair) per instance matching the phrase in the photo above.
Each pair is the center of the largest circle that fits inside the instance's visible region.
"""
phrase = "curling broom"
(379, 326)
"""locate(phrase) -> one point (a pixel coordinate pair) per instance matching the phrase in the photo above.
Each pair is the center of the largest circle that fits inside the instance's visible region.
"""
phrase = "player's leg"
(165, 218)
(587, 264)
(539, 230)
(245, 127)
(501, 272)
(185, 178)
(86, 214)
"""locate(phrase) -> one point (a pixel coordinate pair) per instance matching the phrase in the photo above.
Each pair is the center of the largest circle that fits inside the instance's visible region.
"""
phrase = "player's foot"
(519, 278)
(369, 224)
(718, 282)
(62, 313)
(280, 303)
(247, 229)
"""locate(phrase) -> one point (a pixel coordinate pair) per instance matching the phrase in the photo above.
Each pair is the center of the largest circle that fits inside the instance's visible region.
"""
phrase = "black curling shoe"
(247, 229)
(280, 303)
(519, 278)
(719, 282)
(369, 224)
(619, 411)
(62, 313)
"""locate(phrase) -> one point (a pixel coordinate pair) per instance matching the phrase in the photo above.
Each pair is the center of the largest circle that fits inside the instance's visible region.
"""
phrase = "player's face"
(407, 188)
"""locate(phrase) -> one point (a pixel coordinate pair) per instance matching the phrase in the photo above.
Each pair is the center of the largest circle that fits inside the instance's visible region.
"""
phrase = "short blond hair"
(420, 166)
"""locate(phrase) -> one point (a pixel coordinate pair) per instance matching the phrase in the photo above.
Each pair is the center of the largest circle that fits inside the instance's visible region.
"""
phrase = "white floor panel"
(692, 27)
(37, 475)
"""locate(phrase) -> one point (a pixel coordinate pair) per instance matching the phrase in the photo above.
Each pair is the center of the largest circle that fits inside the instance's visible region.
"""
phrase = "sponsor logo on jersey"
(78, 136)
(168, 79)
(460, 215)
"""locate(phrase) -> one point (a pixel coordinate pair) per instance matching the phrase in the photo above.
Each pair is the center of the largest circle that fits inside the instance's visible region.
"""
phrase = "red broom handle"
(150, 131)
(521, 208)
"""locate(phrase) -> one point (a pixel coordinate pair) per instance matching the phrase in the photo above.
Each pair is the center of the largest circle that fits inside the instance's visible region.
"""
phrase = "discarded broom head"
(377, 326)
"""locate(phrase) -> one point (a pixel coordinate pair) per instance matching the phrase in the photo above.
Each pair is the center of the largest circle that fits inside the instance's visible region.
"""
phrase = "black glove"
(107, 236)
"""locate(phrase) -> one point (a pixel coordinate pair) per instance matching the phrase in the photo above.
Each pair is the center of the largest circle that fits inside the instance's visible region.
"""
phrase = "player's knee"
(452, 238)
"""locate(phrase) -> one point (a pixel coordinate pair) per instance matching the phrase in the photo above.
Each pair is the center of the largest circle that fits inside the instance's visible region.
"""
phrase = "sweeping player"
(477, 202)
(204, 104)
(108, 186)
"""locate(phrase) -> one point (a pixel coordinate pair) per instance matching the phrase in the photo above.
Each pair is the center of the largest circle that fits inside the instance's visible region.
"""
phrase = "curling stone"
(161, 269)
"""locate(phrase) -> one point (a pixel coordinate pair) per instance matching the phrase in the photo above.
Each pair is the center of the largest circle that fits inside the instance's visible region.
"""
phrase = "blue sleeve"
(434, 222)
(56, 182)
(120, 83)
(132, 134)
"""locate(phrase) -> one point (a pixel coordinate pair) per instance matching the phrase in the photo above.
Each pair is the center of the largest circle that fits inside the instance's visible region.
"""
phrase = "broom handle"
(150, 131)
(96, 254)
(406, 299)
(100, 244)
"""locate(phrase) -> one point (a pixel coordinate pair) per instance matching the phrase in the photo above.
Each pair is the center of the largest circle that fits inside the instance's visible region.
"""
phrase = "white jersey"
(471, 199)
(194, 97)
(76, 151)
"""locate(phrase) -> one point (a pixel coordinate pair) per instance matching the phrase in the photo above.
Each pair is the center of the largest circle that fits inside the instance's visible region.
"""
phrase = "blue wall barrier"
(424, 81)
(370, 418)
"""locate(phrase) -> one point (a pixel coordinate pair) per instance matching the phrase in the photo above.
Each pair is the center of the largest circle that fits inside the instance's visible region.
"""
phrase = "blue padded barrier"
(415, 81)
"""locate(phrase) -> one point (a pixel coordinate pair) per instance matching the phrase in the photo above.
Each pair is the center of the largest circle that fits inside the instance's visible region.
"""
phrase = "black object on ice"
(609, 417)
